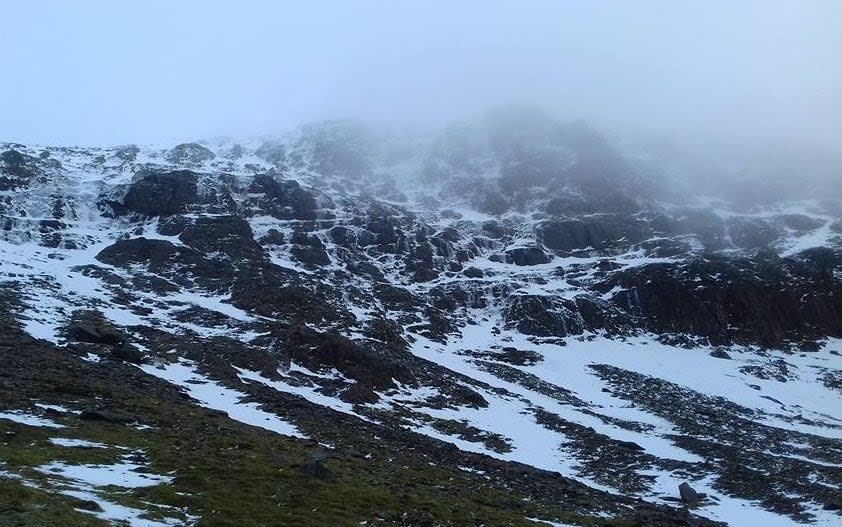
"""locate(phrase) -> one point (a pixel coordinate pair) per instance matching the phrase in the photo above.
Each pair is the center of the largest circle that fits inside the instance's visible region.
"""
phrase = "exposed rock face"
(284, 200)
(16, 169)
(544, 316)
(592, 233)
(747, 300)
(161, 193)
(752, 234)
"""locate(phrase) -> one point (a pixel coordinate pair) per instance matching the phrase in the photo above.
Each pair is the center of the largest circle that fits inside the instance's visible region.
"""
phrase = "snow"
(122, 474)
(88, 481)
(210, 394)
(29, 419)
(114, 512)
(568, 367)
(810, 240)
(54, 407)
(310, 393)
(737, 512)
(72, 443)
(550, 523)
(216, 303)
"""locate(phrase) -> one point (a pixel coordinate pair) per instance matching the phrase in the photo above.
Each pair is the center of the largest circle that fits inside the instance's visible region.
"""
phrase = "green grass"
(231, 474)
(21, 506)
(234, 475)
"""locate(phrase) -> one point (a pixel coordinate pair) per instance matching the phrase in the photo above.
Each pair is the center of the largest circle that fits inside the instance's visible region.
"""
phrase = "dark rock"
(831, 505)
(386, 331)
(600, 315)
(359, 394)
(492, 202)
(450, 214)
(319, 351)
(752, 233)
(107, 416)
(309, 255)
(473, 272)
(343, 236)
(285, 200)
(92, 327)
(543, 316)
(801, 223)
(704, 225)
(161, 193)
(308, 249)
(740, 300)
(314, 467)
(235, 152)
(228, 234)
(495, 229)
(272, 237)
(127, 352)
(526, 256)
(13, 157)
(688, 494)
(720, 354)
(124, 253)
(17, 169)
(86, 505)
(518, 357)
(594, 232)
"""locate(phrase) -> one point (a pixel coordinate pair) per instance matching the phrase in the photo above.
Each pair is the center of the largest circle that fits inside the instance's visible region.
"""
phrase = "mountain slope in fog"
(515, 305)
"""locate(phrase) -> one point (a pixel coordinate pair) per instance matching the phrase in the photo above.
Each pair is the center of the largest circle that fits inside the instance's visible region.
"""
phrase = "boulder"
(688, 494)
(107, 415)
(473, 272)
(527, 256)
(93, 328)
(314, 467)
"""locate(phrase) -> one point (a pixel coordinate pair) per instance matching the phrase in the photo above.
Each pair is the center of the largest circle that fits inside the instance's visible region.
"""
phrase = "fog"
(756, 73)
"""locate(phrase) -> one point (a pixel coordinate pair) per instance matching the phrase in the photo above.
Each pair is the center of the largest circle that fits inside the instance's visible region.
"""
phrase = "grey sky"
(152, 71)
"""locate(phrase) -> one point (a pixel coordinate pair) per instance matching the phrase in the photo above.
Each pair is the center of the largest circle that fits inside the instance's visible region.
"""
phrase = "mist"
(754, 73)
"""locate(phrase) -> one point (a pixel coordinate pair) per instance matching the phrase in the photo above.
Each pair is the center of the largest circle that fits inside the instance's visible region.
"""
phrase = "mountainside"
(510, 322)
